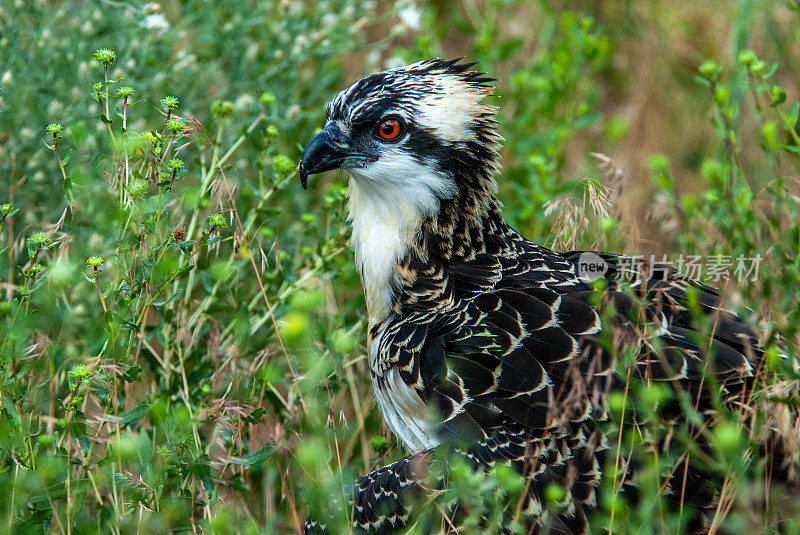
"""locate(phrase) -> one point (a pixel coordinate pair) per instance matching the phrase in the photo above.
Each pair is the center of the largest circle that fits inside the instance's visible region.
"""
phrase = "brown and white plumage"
(481, 339)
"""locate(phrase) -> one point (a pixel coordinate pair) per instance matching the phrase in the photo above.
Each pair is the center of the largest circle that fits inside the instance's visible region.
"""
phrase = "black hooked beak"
(326, 151)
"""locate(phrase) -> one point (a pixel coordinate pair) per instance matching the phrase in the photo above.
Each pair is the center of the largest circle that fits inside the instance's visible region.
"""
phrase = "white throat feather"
(389, 202)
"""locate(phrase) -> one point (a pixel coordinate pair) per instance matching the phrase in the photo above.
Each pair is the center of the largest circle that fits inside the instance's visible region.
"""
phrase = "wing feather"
(524, 357)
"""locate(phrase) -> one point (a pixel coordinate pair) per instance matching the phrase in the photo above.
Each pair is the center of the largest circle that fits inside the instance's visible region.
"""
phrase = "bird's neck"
(458, 231)
(401, 240)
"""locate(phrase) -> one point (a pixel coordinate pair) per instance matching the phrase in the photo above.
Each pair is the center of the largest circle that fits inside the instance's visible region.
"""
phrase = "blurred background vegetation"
(183, 327)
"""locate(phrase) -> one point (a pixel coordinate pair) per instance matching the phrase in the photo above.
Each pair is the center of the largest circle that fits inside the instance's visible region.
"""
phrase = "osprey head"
(419, 129)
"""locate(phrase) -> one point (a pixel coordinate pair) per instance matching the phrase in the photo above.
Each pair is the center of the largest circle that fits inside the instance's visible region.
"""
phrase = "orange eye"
(389, 129)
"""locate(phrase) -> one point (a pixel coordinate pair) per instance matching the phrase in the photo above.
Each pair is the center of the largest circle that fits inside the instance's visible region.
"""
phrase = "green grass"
(182, 327)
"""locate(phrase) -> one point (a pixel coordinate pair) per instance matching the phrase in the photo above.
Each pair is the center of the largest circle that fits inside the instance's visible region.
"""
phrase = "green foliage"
(182, 330)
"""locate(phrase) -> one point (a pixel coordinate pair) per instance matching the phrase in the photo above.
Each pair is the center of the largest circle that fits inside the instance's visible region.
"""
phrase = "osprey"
(485, 341)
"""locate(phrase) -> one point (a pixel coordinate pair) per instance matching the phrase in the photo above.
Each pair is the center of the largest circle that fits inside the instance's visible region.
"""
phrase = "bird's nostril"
(336, 135)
